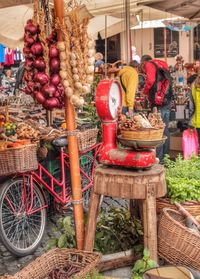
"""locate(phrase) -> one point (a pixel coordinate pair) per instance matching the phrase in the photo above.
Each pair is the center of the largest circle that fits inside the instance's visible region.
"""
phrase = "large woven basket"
(178, 244)
(80, 261)
(87, 139)
(18, 160)
(193, 207)
(150, 134)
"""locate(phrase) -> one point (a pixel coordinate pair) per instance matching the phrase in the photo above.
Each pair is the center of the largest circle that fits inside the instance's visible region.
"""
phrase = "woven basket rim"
(166, 213)
(18, 147)
(186, 203)
(144, 129)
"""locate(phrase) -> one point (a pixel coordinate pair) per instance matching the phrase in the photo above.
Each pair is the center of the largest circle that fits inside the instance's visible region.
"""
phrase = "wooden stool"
(128, 184)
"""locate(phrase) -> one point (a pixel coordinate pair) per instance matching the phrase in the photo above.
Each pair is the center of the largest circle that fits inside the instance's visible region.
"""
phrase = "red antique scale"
(108, 99)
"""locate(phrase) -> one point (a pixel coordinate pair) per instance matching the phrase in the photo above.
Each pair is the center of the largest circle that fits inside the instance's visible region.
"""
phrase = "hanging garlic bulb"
(91, 60)
(74, 100)
(63, 74)
(90, 78)
(86, 89)
(65, 83)
(68, 91)
(78, 85)
(73, 56)
(63, 56)
(73, 63)
(75, 70)
(81, 102)
(63, 65)
(61, 46)
(91, 52)
(91, 44)
(76, 77)
(90, 69)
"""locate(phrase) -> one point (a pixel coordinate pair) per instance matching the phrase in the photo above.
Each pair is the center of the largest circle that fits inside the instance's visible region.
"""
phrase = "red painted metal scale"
(108, 99)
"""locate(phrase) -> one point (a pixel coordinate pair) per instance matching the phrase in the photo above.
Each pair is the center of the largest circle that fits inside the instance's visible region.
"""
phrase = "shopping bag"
(190, 143)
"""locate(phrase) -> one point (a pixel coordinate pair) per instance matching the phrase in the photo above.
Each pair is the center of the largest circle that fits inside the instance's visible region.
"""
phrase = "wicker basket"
(19, 159)
(87, 139)
(82, 262)
(193, 207)
(150, 134)
(178, 244)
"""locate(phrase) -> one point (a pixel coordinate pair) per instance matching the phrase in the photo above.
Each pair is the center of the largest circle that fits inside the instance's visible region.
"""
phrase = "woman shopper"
(129, 83)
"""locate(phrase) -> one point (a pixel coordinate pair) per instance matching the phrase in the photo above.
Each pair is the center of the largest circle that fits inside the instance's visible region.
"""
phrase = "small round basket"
(178, 244)
(193, 207)
(142, 134)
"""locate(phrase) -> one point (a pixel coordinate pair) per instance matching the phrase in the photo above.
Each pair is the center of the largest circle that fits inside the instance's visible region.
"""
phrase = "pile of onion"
(46, 88)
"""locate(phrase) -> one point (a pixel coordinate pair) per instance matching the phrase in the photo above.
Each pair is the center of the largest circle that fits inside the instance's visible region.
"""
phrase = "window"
(172, 42)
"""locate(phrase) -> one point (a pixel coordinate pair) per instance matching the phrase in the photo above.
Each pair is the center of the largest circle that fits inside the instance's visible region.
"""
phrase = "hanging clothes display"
(9, 57)
(2, 53)
(18, 57)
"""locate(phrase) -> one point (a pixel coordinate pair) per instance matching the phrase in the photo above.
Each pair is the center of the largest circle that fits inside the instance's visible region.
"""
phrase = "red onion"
(39, 97)
(31, 85)
(28, 64)
(55, 79)
(31, 28)
(49, 90)
(27, 76)
(51, 103)
(26, 50)
(28, 90)
(28, 40)
(39, 64)
(37, 49)
(57, 94)
(42, 78)
(29, 21)
(54, 65)
(53, 52)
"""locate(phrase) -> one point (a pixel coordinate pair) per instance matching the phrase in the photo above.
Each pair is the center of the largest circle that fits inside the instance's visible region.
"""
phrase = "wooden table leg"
(150, 221)
(92, 221)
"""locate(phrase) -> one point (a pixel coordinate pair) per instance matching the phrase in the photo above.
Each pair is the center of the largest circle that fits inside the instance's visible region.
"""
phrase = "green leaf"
(151, 264)
(146, 253)
(67, 221)
(62, 241)
(139, 264)
(52, 243)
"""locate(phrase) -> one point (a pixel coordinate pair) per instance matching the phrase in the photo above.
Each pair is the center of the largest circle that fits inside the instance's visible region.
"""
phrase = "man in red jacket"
(159, 92)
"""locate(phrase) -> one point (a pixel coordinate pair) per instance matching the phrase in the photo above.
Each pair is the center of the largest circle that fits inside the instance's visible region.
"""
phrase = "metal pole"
(73, 152)
(127, 30)
(106, 45)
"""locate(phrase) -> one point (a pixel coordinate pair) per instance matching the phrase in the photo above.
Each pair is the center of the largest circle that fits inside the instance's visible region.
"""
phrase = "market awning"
(186, 8)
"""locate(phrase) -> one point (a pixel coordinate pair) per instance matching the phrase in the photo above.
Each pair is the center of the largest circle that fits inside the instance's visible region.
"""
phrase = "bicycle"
(23, 201)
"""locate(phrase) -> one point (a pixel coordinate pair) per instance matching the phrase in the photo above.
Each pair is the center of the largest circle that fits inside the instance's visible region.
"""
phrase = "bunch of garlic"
(65, 70)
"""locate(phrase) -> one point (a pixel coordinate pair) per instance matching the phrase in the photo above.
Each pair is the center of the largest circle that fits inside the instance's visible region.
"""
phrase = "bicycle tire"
(21, 222)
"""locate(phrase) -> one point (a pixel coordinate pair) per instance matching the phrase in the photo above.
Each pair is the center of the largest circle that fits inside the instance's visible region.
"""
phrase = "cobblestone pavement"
(10, 264)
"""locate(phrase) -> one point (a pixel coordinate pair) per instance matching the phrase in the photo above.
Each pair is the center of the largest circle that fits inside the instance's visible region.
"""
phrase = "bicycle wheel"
(86, 164)
(21, 233)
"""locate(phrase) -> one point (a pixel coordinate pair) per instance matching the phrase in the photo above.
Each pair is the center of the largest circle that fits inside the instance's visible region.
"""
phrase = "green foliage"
(143, 265)
(116, 231)
(92, 275)
(183, 179)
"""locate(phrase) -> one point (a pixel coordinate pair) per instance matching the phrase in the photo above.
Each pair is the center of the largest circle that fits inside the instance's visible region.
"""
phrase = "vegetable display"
(42, 63)
(140, 121)
(183, 179)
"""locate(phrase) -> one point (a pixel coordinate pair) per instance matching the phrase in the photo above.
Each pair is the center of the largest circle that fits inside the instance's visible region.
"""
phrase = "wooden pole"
(73, 152)
(165, 43)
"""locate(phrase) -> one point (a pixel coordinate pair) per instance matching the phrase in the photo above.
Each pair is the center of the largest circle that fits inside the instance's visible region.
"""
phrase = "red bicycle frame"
(41, 173)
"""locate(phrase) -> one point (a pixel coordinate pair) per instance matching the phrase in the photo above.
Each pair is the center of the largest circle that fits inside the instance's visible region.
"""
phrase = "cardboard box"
(176, 141)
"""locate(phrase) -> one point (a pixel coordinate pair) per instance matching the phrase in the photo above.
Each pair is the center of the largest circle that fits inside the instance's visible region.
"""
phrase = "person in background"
(195, 105)
(19, 76)
(180, 71)
(8, 82)
(98, 59)
(154, 85)
(129, 83)
(135, 56)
